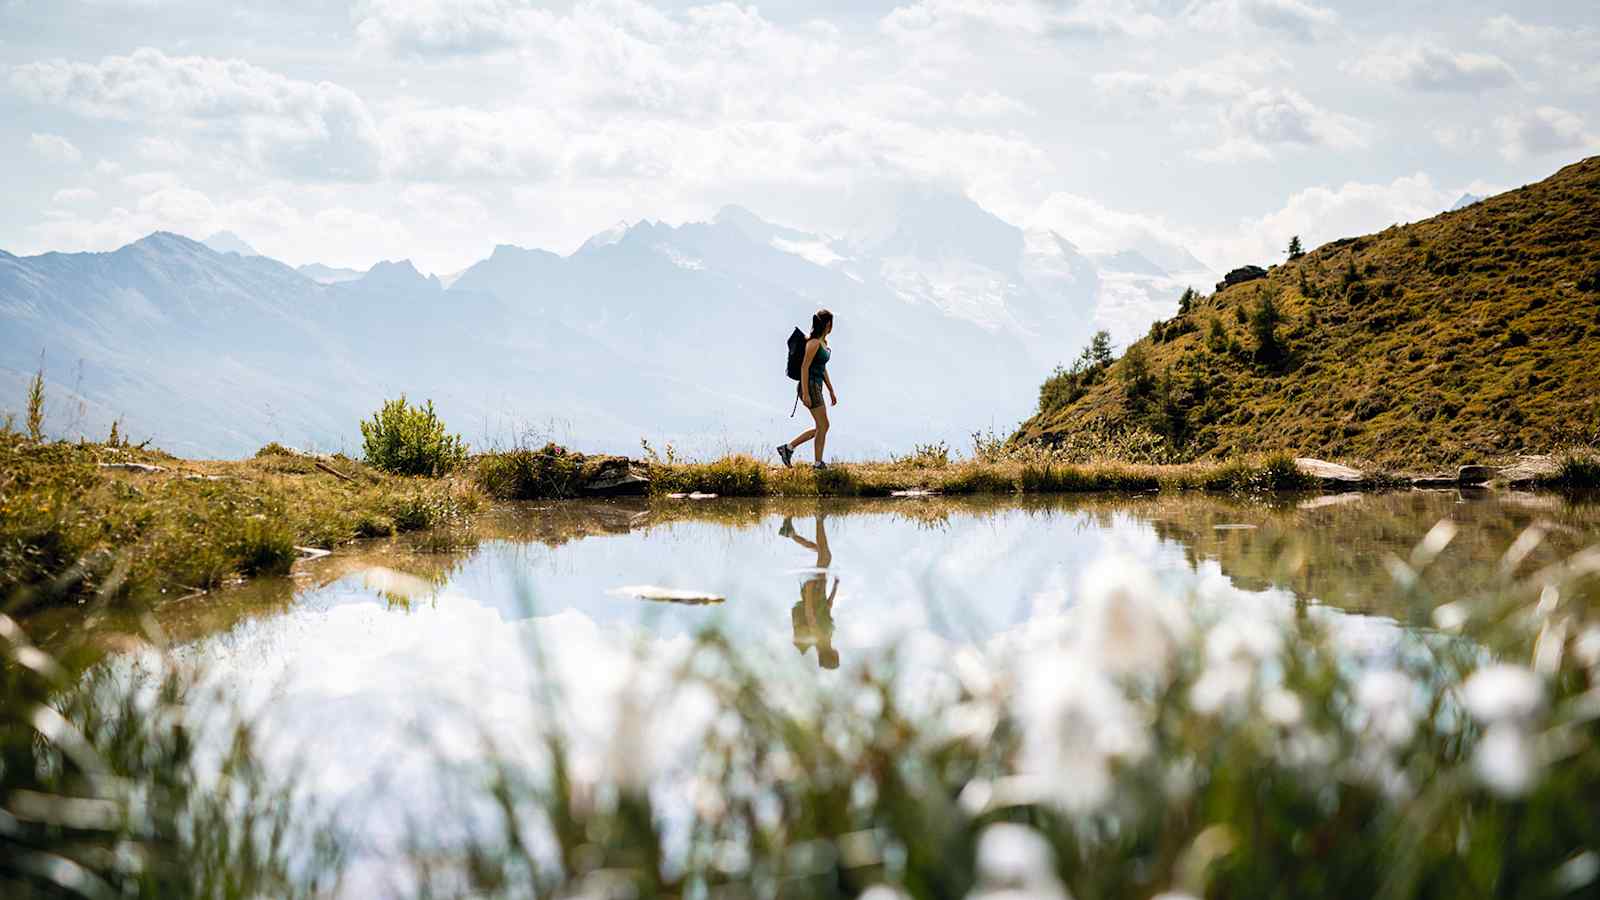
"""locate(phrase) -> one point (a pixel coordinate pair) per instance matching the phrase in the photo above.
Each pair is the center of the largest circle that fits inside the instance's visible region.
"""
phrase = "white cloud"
(54, 148)
(1252, 126)
(68, 196)
(1547, 129)
(312, 129)
(943, 26)
(145, 182)
(1094, 228)
(1298, 19)
(1424, 66)
(446, 27)
(1225, 78)
(1322, 214)
(1567, 53)
(161, 150)
(989, 104)
(465, 143)
(1507, 27)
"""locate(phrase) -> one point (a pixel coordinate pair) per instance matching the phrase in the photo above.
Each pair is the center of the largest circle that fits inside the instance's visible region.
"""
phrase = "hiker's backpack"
(797, 353)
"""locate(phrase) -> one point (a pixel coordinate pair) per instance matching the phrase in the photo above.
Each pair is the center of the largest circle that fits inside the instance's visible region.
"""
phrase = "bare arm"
(828, 380)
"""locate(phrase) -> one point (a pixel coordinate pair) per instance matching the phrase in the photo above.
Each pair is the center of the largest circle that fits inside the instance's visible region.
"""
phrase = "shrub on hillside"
(410, 440)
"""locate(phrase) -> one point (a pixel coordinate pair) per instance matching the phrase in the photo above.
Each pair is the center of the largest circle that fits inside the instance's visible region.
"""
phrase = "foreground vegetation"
(1148, 744)
(104, 522)
(1457, 339)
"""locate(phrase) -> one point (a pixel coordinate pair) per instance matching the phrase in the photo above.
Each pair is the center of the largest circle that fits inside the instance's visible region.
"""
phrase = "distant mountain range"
(946, 316)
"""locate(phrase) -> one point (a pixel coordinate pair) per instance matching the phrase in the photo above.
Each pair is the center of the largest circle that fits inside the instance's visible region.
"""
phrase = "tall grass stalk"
(35, 418)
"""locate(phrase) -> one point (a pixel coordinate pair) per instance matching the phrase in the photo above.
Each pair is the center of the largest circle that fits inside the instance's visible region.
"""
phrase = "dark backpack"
(797, 353)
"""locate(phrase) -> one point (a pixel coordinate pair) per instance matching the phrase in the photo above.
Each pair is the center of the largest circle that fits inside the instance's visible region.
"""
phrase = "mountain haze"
(945, 315)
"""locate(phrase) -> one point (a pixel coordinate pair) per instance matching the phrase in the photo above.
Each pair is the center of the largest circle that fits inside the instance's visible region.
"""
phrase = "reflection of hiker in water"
(813, 615)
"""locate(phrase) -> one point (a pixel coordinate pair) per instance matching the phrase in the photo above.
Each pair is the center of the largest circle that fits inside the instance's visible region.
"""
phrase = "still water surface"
(388, 663)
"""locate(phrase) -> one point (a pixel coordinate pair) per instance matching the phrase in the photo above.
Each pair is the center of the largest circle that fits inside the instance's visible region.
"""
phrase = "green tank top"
(819, 365)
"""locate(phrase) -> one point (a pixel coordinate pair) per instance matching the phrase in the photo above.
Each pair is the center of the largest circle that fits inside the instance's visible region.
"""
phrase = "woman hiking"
(813, 377)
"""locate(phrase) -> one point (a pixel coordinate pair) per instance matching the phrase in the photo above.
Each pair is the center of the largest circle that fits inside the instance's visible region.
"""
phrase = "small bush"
(410, 440)
(926, 456)
(263, 547)
(548, 473)
(428, 509)
(1579, 471)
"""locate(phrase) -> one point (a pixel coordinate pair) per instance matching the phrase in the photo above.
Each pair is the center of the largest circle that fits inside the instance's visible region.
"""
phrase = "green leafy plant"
(411, 440)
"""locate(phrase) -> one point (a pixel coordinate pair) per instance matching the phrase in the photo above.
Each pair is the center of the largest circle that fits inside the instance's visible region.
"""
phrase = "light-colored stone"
(1530, 469)
(1329, 473)
(142, 468)
(617, 478)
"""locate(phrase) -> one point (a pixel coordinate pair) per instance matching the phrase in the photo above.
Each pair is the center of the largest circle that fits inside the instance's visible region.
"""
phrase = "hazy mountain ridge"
(669, 332)
(1467, 335)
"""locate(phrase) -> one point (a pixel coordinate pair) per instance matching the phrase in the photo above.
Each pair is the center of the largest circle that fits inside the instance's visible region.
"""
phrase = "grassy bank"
(81, 522)
(554, 473)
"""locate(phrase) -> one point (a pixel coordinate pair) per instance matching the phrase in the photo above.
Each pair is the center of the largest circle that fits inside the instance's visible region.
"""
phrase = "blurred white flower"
(1586, 646)
(1075, 723)
(1235, 650)
(1282, 707)
(1015, 861)
(1222, 688)
(1505, 760)
(1503, 693)
(1386, 698)
(971, 723)
(1307, 749)
(1375, 765)
(883, 892)
(1450, 616)
(1128, 624)
(1243, 640)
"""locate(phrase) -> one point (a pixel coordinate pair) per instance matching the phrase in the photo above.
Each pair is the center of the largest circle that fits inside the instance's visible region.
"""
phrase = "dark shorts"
(817, 394)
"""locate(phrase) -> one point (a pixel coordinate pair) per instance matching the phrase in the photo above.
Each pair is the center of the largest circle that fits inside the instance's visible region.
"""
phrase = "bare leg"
(820, 413)
(806, 435)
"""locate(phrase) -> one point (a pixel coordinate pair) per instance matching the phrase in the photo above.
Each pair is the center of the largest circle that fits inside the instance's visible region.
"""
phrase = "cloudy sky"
(434, 129)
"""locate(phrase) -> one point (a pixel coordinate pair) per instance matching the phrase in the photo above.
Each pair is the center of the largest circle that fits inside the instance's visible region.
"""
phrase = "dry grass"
(741, 476)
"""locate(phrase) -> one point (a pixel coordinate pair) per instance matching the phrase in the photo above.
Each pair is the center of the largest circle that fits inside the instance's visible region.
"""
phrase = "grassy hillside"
(1474, 334)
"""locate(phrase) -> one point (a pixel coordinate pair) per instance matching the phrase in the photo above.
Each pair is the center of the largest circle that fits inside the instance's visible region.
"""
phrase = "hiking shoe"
(786, 453)
(819, 465)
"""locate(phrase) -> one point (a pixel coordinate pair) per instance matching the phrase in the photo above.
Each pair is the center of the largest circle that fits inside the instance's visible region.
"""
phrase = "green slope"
(1472, 334)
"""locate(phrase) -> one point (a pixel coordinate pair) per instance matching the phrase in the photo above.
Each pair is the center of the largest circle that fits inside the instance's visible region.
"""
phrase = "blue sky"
(434, 129)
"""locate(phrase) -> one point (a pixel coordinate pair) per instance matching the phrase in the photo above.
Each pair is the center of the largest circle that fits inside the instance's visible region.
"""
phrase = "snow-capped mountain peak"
(228, 242)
